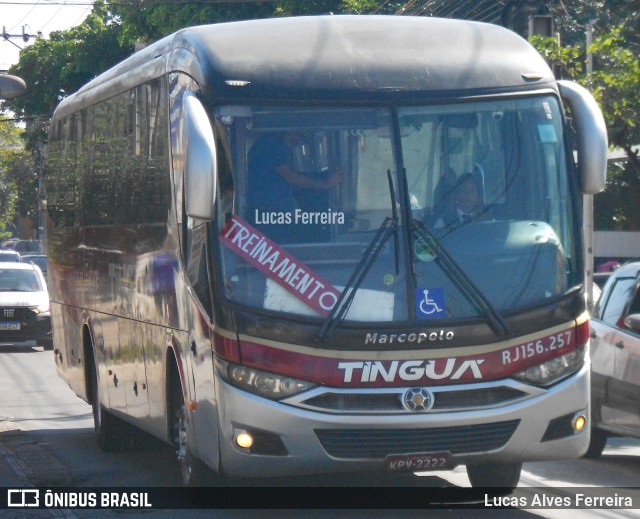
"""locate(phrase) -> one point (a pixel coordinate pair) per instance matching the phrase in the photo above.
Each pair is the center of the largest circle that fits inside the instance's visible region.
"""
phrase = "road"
(46, 440)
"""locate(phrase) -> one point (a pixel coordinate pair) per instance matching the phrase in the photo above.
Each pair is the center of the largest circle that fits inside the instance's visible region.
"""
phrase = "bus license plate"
(9, 326)
(418, 462)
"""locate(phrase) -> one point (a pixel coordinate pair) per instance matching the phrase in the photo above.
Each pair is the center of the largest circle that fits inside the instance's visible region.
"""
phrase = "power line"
(478, 10)
(82, 16)
(381, 6)
(55, 14)
(25, 16)
(137, 3)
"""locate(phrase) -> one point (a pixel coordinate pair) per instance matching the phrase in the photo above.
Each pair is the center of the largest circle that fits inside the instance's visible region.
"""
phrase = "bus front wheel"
(597, 443)
(505, 475)
(194, 473)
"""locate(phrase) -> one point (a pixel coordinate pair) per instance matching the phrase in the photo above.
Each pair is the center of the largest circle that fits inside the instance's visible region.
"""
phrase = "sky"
(42, 16)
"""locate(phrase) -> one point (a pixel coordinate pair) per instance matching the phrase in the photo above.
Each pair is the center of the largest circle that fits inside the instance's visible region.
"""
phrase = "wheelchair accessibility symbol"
(429, 303)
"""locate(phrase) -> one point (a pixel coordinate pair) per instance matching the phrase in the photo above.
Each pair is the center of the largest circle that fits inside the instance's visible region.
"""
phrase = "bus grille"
(380, 443)
(391, 402)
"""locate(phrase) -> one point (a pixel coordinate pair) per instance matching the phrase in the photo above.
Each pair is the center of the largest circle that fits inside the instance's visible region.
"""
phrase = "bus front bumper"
(293, 441)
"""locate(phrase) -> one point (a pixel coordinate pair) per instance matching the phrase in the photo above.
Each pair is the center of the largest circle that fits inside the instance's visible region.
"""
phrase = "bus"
(251, 254)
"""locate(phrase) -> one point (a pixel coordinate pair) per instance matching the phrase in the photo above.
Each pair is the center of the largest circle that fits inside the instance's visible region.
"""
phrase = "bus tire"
(46, 345)
(504, 475)
(193, 472)
(597, 443)
(110, 431)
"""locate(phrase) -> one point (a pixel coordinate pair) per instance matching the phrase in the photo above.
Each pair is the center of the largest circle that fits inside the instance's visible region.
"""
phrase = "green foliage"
(613, 207)
(371, 6)
(10, 135)
(310, 7)
(616, 85)
(149, 21)
(10, 154)
(18, 188)
(21, 178)
(565, 60)
(55, 67)
(573, 17)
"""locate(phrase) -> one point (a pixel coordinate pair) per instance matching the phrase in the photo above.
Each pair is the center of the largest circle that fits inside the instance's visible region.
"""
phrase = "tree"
(52, 68)
(55, 67)
(21, 181)
(615, 83)
(12, 159)
(60, 65)
(149, 21)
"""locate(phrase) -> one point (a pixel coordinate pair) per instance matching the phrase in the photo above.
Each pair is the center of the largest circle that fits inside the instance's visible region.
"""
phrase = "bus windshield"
(445, 212)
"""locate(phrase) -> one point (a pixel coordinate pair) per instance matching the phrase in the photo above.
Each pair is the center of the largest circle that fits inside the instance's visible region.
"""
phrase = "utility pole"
(25, 36)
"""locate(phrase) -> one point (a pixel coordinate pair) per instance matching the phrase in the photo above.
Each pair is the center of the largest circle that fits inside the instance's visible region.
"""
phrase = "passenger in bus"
(271, 183)
(467, 204)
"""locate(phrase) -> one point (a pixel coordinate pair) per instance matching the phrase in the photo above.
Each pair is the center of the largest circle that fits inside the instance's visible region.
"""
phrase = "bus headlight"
(263, 383)
(553, 370)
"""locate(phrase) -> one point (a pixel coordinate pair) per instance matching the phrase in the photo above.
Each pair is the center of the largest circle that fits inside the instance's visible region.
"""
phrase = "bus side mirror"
(200, 168)
(593, 145)
(11, 86)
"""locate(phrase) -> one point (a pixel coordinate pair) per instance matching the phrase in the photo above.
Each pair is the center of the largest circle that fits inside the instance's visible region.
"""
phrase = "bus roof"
(340, 57)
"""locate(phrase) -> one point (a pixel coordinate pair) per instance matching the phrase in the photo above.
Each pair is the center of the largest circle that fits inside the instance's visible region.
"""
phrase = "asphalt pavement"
(12, 471)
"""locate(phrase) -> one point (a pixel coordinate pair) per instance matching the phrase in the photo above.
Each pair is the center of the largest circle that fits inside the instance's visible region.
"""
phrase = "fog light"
(244, 440)
(579, 423)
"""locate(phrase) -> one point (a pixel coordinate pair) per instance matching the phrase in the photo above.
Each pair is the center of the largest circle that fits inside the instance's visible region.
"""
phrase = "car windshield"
(18, 280)
(464, 210)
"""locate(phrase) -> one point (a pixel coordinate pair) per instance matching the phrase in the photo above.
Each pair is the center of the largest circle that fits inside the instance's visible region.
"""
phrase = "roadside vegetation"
(59, 65)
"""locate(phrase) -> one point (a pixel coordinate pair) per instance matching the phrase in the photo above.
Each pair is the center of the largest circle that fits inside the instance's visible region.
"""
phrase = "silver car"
(615, 359)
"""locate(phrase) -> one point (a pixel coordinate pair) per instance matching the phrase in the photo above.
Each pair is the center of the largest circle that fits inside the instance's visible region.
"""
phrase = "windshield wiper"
(388, 228)
(394, 215)
(455, 272)
(340, 309)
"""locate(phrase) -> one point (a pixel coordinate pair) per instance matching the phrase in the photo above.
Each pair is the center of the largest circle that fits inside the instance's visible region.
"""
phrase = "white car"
(25, 319)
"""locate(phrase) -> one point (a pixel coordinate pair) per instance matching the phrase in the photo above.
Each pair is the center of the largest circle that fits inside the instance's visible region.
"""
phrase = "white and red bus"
(261, 246)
